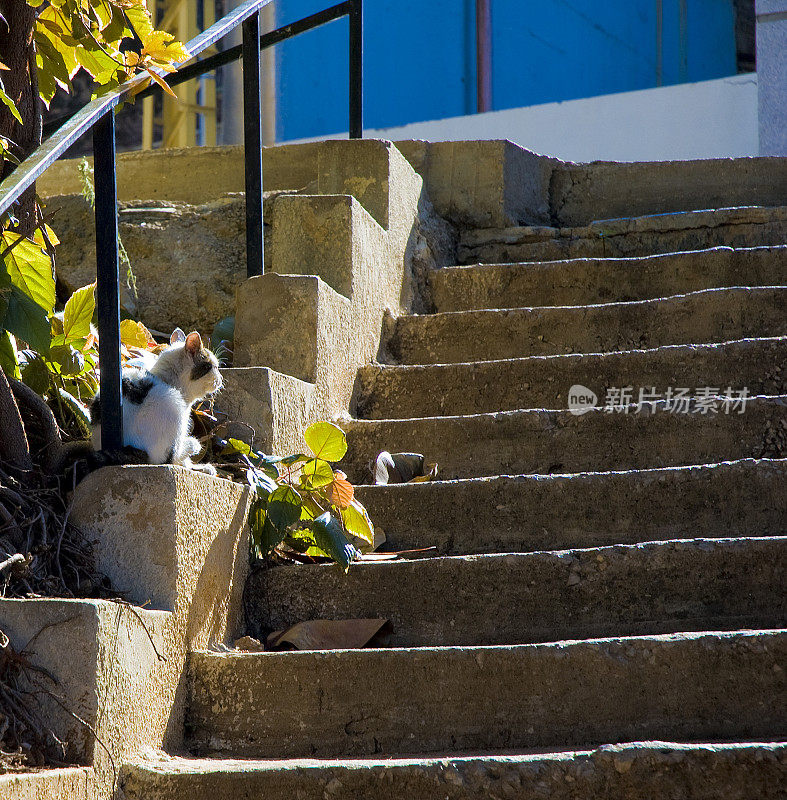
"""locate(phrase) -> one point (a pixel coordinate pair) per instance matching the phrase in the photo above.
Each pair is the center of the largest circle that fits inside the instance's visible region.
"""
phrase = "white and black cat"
(157, 401)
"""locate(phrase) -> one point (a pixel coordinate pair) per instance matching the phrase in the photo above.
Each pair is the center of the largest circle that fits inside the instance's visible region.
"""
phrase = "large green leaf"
(264, 535)
(326, 440)
(330, 538)
(26, 320)
(316, 474)
(356, 521)
(35, 373)
(29, 269)
(284, 507)
(77, 314)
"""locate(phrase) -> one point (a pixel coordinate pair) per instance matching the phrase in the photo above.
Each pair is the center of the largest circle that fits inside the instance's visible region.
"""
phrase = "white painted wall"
(710, 119)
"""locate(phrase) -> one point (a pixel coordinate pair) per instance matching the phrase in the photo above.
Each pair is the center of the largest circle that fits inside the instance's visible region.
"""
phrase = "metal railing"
(99, 116)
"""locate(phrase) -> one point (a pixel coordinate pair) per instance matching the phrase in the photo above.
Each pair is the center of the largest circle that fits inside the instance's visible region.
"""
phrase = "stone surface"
(198, 248)
(103, 656)
(712, 315)
(324, 319)
(543, 512)
(510, 598)
(544, 442)
(485, 183)
(604, 280)
(275, 407)
(69, 783)
(191, 175)
(580, 193)
(686, 686)
(628, 236)
(618, 772)
(386, 391)
(169, 538)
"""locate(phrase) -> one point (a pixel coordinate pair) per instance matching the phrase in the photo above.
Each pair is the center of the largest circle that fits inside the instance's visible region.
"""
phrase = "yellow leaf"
(162, 47)
(356, 520)
(134, 334)
(326, 440)
(162, 83)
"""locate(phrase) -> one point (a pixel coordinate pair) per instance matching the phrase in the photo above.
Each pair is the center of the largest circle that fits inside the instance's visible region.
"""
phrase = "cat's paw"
(208, 469)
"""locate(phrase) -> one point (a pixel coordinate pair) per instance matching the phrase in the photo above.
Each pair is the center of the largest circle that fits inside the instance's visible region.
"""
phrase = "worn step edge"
(537, 512)
(708, 770)
(512, 598)
(397, 391)
(688, 686)
(538, 441)
(629, 236)
(644, 223)
(708, 315)
(586, 280)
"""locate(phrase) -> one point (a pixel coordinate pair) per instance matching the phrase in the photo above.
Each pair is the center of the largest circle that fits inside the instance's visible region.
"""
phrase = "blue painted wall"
(419, 56)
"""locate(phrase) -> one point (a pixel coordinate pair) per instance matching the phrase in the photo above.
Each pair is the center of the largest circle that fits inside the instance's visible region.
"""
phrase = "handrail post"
(356, 69)
(108, 281)
(252, 141)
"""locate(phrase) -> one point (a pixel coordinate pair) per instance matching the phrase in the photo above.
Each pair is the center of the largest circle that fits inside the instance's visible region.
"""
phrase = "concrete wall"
(772, 66)
(710, 119)
(419, 59)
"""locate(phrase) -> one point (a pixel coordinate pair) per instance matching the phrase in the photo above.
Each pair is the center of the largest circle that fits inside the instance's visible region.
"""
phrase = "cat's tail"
(76, 460)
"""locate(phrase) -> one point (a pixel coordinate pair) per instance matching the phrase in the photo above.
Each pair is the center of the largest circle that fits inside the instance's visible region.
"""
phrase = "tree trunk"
(17, 52)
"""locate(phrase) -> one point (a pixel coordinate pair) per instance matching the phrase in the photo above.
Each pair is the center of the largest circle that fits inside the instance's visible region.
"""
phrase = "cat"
(157, 401)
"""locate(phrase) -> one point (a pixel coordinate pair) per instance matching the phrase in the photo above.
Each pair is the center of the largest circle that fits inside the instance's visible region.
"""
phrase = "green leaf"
(69, 360)
(356, 521)
(34, 371)
(26, 320)
(10, 105)
(284, 507)
(262, 484)
(326, 440)
(9, 360)
(316, 474)
(78, 313)
(329, 537)
(264, 535)
(30, 269)
(288, 461)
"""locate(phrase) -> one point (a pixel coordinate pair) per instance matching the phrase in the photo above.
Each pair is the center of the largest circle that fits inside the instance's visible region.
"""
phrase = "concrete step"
(702, 771)
(385, 391)
(510, 598)
(747, 226)
(602, 280)
(546, 442)
(545, 512)
(712, 315)
(688, 686)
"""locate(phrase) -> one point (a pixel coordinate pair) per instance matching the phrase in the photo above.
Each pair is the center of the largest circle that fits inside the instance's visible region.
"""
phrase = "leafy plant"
(302, 503)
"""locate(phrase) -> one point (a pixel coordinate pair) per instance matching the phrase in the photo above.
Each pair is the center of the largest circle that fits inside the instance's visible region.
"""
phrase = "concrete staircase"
(606, 613)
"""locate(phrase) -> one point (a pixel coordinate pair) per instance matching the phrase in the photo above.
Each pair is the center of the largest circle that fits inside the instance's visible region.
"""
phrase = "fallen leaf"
(331, 634)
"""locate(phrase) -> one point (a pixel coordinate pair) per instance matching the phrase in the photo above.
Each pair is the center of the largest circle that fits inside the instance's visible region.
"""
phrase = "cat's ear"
(193, 343)
(177, 336)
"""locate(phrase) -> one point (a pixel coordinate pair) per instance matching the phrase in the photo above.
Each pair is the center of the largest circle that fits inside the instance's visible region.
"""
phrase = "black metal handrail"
(99, 116)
